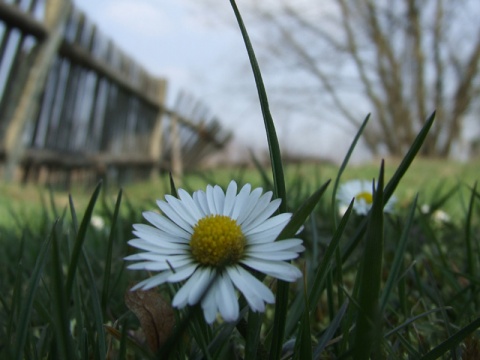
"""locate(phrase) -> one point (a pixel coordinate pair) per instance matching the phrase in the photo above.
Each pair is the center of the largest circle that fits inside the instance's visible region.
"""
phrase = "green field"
(430, 178)
(64, 278)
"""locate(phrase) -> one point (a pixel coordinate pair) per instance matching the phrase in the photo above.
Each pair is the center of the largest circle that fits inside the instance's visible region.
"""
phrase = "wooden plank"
(155, 142)
(17, 18)
(56, 13)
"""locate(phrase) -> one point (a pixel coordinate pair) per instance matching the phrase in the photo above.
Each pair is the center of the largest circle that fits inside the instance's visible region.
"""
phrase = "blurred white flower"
(211, 240)
(97, 222)
(441, 216)
(425, 209)
(361, 190)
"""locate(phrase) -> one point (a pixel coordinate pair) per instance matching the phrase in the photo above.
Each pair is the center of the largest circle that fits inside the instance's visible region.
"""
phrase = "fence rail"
(73, 105)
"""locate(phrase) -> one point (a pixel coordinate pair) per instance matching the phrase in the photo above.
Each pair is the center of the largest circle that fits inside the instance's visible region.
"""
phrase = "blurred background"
(133, 87)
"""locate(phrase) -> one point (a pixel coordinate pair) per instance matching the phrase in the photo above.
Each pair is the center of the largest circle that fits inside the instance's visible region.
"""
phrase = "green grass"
(64, 280)
(382, 286)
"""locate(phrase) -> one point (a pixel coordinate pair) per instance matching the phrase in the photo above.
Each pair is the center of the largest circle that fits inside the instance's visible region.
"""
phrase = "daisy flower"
(212, 240)
(361, 190)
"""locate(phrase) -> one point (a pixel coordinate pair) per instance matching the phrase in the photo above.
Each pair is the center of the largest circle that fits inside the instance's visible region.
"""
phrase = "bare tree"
(399, 60)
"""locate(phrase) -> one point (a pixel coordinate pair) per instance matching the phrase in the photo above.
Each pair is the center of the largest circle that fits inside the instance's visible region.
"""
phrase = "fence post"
(156, 138)
(55, 16)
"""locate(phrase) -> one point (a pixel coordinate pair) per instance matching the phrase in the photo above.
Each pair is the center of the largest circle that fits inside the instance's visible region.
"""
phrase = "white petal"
(210, 200)
(190, 204)
(180, 299)
(263, 237)
(165, 224)
(286, 244)
(278, 221)
(161, 263)
(176, 218)
(254, 291)
(152, 282)
(226, 299)
(219, 199)
(230, 196)
(189, 214)
(182, 273)
(149, 246)
(194, 288)
(258, 217)
(209, 305)
(249, 205)
(133, 257)
(277, 269)
(277, 255)
(240, 201)
(261, 205)
(201, 199)
(156, 236)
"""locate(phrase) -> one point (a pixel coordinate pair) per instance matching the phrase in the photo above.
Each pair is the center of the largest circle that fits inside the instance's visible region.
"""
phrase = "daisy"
(361, 190)
(212, 240)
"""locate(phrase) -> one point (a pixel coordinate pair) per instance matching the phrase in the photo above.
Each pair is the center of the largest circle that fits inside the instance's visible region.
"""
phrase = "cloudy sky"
(176, 40)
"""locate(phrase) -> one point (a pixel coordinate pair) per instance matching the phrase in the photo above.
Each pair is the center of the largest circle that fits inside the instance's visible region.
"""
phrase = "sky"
(175, 40)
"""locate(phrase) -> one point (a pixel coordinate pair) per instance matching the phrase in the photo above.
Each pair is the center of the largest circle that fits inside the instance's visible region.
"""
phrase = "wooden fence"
(73, 105)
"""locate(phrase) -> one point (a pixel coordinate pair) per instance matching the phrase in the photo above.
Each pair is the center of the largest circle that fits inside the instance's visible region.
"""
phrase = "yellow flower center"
(365, 195)
(217, 240)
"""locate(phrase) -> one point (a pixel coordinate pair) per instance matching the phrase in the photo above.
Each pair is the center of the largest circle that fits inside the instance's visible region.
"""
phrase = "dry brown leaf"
(154, 313)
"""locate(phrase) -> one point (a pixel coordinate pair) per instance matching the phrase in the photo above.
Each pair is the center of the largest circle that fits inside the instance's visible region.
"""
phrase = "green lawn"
(64, 278)
(431, 178)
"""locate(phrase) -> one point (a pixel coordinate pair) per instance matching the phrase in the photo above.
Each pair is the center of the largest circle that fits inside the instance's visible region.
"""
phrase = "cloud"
(142, 17)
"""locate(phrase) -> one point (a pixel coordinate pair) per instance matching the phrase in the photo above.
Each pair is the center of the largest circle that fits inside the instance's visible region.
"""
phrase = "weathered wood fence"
(73, 105)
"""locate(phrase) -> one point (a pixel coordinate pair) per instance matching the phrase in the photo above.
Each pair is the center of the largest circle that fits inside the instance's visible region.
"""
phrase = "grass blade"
(278, 180)
(273, 145)
(27, 305)
(407, 160)
(79, 240)
(320, 275)
(394, 181)
(368, 326)
(96, 309)
(398, 259)
(468, 234)
(331, 330)
(344, 165)
(108, 256)
(303, 345)
(452, 341)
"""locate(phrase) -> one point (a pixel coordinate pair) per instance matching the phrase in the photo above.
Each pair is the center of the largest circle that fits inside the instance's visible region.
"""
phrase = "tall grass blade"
(320, 276)
(96, 309)
(368, 325)
(278, 180)
(399, 257)
(80, 238)
(468, 234)
(252, 339)
(273, 145)
(173, 188)
(394, 181)
(62, 343)
(407, 160)
(108, 255)
(73, 213)
(330, 332)
(452, 341)
(303, 345)
(344, 165)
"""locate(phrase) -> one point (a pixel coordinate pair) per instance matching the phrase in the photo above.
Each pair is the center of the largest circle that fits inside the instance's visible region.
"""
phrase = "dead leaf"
(154, 313)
